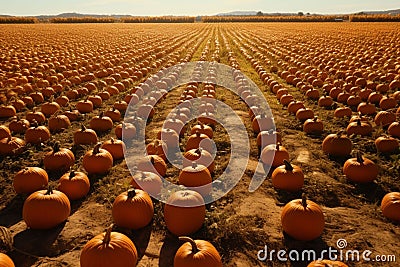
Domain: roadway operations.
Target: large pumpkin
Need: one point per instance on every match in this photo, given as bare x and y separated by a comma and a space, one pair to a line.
197, 177
115, 147
74, 184
6, 261
37, 134
109, 249
288, 177
29, 180
197, 253
11, 146
390, 206
302, 219
59, 159
184, 212
46, 209
97, 161
133, 209
85, 136
338, 145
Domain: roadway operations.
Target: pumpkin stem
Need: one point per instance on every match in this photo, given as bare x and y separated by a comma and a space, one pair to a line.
195, 249
197, 133
288, 166
83, 128
156, 143
315, 118
152, 160
198, 151
49, 190
143, 175
278, 146
72, 174
107, 236
56, 147
131, 193
194, 164
101, 114
304, 201
360, 158
96, 149
358, 122
112, 140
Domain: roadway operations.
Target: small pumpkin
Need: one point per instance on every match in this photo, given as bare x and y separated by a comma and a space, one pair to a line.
97, 161
59, 159
37, 134
390, 206
262, 123
170, 137
73, 114
74, 184
274, 155
197, 177
384, 118
148, 182
394, 129
203, 129
200, 156
109, 249
7, 112
114, 114
154, 164
338, 145
199, 140
304, 114
126, 131
342, 112
302, 219
360, 169
49, 108
184, 212
58, 123
35, 116
133, 209
197, 253
4, 132
11, 146
288, 177
85, 136
29, 180
159, 148
313, 126
84, 106
115, 147
175, 124
46, 209
359, 127
19, 126
101, 123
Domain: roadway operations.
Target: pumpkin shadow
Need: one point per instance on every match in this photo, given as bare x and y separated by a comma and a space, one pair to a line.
12, 213
38, 243
140, 238
318, 246
284, 197
372, 192
167, 254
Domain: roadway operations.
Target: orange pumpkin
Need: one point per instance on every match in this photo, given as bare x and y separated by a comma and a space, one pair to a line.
74, 184
85, 136
386, 144
133, 209
109, 249
360, 169
200, 156
274, 155
302, 219
115, 147
338, 145
6, 261
11, 146
390, 206
97, 161
46, 209
59, 159
199, 140
159, 148
29, 180
37, 134
58, 123
101, 123
184, 212
288, 177
154, 164
4, 132
148, 182
326, 263
196, 177
197, 253
203, 129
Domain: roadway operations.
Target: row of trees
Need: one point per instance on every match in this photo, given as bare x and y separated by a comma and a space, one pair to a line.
18, 20
298, 18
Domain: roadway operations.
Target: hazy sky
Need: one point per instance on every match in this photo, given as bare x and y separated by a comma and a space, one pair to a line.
196, 7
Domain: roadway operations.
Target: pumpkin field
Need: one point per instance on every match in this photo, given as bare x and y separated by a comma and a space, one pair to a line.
329, 144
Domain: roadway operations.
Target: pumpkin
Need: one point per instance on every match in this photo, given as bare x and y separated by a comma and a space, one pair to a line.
359, 127
288, 177
325, 101
387, 103
154, 164
49, 108
200, 156
148, 182
313, 126
265, 138
126, 131
62, 101
360, 169
184, 212
35, 116
37, 134
7, 112
58, 123
157, 147
113, 114
262, 123
121, 106
4, 132
170, 137
326, 263
19, 126
207, 118
384, 118
73, 115
197, 177
84, 106
197, 253
394, 129
302, 219
133, 209
11, 146
386, 144
294, 106
304, 114
59, 159
115, 147
145, 111
74, 184
199, 140
175, 124
46, 209
97, 161
29, 180
96, 100
338, 145
274, 155
101, 123
85, 136
366, 109
343, 112
6, 261
390, 206
109, 249
203, 129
